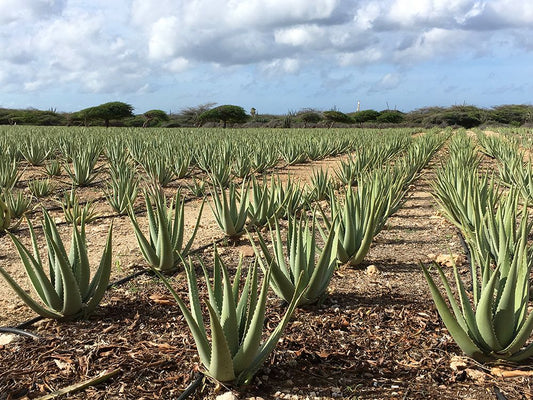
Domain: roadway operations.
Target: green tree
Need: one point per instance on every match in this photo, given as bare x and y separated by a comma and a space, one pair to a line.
154, 118
105, 112
513, 114
365, 116
226, 113
465, 116
309, 117
390, 116
337, 116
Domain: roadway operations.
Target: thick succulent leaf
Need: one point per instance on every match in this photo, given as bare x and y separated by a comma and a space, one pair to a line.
147, 250
40, 282
84, 271
252, 337
26, 298
484, 316
228, 316
461, 337
221, 366
200, 338
194, 297
504, 318
268, 346
468, 313
100, 281
72, 300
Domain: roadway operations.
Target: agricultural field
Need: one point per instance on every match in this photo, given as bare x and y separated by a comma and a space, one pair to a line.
274, 263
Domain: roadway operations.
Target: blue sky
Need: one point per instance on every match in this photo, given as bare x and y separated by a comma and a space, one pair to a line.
274, 55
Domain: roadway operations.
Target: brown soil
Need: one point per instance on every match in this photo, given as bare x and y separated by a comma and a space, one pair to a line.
377, 335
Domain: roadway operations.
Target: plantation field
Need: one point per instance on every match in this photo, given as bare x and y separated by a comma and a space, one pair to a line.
373, 332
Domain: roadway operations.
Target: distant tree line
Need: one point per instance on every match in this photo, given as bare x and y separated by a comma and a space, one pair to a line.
121, 114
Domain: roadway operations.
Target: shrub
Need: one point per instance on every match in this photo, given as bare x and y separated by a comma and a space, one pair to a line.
390, 116
337, 116
365, 116
226, 113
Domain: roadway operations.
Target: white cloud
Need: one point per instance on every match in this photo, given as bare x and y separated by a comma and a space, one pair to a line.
281, 67
20, 10
307, 35
388, 82
124, 45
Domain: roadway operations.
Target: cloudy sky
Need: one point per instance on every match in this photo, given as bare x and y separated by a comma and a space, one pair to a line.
274, 55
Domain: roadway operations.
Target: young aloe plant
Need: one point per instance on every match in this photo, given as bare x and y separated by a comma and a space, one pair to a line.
74, 212
198, 187
235, 352
53, 168
301, 251
231, 208
67, 292
9, 174
84, 161
165, 245
18, 203
41, 187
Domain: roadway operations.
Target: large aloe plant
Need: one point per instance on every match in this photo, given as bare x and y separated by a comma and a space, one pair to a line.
497, 326
301, 251
165, 245
67, 291
235, 352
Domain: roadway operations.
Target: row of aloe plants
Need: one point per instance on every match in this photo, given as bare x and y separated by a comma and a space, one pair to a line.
299, 270
488, 318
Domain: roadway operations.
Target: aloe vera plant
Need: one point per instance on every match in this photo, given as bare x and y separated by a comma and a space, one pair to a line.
74, 212
68, 291
356, 219
41, 187
84, 161
121, 189
165, 245
235, 352
53, 168
9, 174
497, 325
35, 151
296, 257
321, 185
18, 203
158, 169
231, 209
264, 206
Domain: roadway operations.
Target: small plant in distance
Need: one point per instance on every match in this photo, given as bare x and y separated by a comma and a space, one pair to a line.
74, 212
53, 168
17, 203
122, 188
41, 187
165, 246
67, 292
198, 187
9, 175
234, 352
